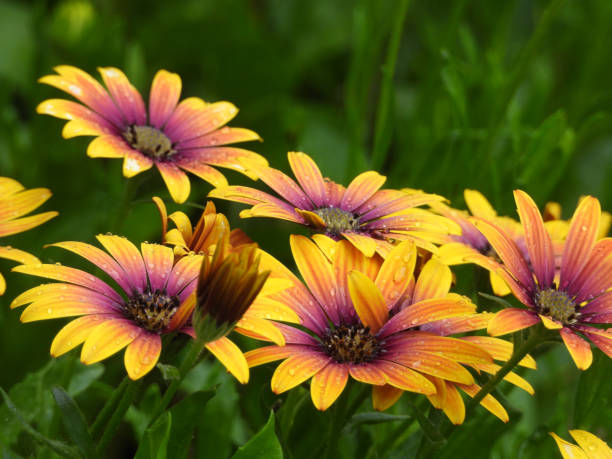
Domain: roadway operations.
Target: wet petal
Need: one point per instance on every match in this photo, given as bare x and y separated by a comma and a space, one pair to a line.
108, 338
361, 189
142, 355
327, 385
82, 120
8, 228
434, 281
165, 93
231, 357
308, 176
285, 186
76, 332
384, 397
297, 369
395, 274
579, 349
479, 205
368, 374
25, 258
128, 257
176, 181
434, 365
594, 447
158, 261
205, 172
127, 98
368, 301
362, 241
489, 402
569, 451
404, 378
269, 354
193, 118
510, 320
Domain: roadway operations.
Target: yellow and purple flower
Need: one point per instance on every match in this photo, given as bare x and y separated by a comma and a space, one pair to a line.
15, 202
362, 213
434, 281
346, 310
570, 301
188, 136
589, 446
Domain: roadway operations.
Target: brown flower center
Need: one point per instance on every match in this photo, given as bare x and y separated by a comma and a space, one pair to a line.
149, 141
337, 220
152, 311
351, 344
556, 304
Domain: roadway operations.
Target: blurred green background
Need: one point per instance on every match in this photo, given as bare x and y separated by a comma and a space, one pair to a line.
486, 95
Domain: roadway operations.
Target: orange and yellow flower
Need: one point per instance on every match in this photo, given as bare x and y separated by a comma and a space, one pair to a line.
362, 213
15, 202
589, 446
188, 136
434, 281
346, 310
569, 299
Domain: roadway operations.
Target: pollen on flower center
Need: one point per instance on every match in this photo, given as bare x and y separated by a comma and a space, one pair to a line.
149, 141
153, 311
337, 220
557, 304
351, 344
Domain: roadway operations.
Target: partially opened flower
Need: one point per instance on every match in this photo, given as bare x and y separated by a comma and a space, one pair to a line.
346, 312
363, 214
15, 203
580, 297
589, 446
227, 286
188, 136
156, 296
434, 281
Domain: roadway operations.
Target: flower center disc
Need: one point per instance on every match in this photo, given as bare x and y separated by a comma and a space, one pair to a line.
149, 141
153, 311
337, 220
556, 304
351, 344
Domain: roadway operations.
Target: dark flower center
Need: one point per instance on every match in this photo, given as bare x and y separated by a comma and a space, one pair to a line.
149, 141
556, 304
152, 311
351, 344
337, 220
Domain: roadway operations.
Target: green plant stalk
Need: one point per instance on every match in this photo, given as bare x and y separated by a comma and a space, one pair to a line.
108, 409
343, 411
129, 191
188, 362
115, 420
382, 127
536, 337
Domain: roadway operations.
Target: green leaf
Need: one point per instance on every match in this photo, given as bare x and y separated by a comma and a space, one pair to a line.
59, 447
263, 444
83, 377
169, 372
593, 391
154, 444
186, 415
74, 421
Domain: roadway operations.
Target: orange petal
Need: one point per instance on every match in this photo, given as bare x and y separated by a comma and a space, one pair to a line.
261, 327
453, 405
500, 349
134, 163
2, 284
368, 301
434, 281
270, 210
579, 349
511, 377
176, 181
452, 348
395, 274
297, 369
406, 379
316, 272
22, 203
108, 338
311, 219
363, 242
569, 451
163, 213
327, 385
75, 332
580, 240
498, 285
308, 176
193, 118
224, 136
165, 93
231, 357
269, 354
594, 447
510, 320
489, 402
435, 365
361, 189
537, 239
384, 397
142, 355
158, 260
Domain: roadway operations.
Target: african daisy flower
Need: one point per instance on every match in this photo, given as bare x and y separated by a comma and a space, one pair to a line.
175, 137
15, 202
578, 298
156, 296
363, 214
346, 310
434, 281
589, 446
552, 215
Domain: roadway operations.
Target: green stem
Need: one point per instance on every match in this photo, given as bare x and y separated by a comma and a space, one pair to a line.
382, 130
536, 337
188, 362
109, 407
343, 411
115, 420
129, 190
431, 431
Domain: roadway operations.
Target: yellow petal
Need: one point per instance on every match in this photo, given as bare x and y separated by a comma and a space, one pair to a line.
327, 385
568, 451
231, 357
108, 338
368, 301
594, 447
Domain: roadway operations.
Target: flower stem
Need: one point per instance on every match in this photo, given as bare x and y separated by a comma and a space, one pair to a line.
382, 130
535, 338
430, 430
109, 407
188, 362
115, 420
129, 190
343, 411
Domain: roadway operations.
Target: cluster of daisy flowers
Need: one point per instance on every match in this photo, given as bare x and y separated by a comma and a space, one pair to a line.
374, 302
